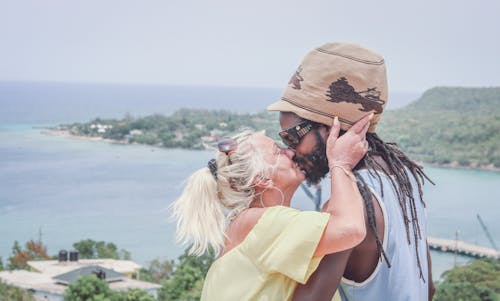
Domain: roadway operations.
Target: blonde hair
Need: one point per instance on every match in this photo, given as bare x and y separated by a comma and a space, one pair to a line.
207, 204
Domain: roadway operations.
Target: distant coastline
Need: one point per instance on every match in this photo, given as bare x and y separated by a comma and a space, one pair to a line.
456, 165
68, 134
446, 127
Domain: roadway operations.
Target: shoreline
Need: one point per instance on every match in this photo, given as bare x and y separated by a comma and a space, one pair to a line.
66, 133
457, 166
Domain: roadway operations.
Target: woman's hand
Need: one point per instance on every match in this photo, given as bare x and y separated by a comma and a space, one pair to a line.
346, 151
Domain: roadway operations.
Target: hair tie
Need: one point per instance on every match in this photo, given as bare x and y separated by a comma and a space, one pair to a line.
212, 165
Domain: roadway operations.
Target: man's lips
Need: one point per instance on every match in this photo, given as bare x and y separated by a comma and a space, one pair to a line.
297, 166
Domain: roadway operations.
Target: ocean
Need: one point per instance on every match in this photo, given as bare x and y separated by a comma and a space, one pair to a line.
68, 189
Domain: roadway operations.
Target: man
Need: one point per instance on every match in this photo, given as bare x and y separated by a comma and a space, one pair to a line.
393, 262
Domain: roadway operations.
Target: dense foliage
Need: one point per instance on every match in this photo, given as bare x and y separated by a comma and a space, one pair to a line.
90, 249
133, 295
477, 281
33, 250
12, 293
450, 126
157, 271
185, 128
90, 288
455, 126
186, 282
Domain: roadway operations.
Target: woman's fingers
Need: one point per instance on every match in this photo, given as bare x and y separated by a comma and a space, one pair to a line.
334, 130
364, 130
359, 126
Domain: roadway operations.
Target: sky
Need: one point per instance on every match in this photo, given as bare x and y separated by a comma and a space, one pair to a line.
256, 43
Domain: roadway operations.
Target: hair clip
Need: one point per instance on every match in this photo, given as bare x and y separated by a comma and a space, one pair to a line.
212, 165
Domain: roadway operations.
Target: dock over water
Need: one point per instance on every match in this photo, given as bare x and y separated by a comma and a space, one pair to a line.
462, 248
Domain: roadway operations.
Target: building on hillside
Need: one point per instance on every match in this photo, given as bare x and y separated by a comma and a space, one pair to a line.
49, 279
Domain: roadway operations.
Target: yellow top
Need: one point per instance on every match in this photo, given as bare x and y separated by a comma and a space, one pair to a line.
276, 254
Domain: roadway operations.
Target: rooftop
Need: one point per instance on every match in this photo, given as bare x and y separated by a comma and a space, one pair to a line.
72, 276
42, 282
54, 267
52, 276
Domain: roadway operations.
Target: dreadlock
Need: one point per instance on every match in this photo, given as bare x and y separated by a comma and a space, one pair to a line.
398, 169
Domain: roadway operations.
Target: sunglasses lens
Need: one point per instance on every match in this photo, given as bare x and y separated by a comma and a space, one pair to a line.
227, 145
288, 139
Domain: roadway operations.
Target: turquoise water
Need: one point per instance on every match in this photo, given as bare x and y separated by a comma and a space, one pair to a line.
76, 189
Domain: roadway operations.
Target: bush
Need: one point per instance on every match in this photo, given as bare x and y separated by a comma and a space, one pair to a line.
12, 293
186, 282
89, 288
479, 280
133, 295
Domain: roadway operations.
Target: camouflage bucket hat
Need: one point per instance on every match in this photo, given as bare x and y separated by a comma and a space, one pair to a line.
337, 79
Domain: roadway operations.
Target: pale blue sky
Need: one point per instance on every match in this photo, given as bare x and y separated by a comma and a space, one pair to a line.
245, 43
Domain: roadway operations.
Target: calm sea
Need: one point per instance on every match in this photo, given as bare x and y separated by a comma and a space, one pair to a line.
76, 189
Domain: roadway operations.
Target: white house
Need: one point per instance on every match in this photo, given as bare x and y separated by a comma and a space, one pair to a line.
49, 278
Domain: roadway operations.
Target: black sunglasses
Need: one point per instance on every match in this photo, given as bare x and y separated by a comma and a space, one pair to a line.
291, 137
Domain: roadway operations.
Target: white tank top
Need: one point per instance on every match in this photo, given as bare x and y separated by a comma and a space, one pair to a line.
402, 281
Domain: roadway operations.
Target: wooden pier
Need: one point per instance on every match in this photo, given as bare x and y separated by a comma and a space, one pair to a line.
462, 248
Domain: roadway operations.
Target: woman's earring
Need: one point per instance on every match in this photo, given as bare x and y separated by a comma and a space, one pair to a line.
260, 196
273, 187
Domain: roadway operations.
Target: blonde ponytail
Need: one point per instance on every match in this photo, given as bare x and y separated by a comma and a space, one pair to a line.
200, 215
208, 204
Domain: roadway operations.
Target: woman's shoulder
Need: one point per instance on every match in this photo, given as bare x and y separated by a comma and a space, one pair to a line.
251, 217
248, 220
245, 221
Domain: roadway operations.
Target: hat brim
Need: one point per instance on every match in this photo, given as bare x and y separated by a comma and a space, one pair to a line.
285, 106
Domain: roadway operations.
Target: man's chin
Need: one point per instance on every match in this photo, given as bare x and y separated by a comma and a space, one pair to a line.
314, 178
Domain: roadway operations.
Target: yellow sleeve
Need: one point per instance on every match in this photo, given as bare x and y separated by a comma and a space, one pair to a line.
284, 240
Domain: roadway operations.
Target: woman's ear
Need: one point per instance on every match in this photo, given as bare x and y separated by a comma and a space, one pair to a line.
262, 183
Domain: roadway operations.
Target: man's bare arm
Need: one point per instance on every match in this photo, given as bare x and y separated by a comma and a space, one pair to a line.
362, 261
323, 283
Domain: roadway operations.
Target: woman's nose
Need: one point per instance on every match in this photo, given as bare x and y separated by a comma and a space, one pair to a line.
290, 153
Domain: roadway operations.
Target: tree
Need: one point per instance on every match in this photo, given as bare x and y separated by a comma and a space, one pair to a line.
187, 279
85, 248
133, 295
34, 250
90, 249
1, 264
106, 250
157, 271
479, 280
12, 293
89, 288
464, 291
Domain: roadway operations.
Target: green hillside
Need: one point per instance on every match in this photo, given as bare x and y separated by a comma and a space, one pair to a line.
455, 126
447, 126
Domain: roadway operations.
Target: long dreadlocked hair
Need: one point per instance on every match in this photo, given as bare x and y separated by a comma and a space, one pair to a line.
398, 169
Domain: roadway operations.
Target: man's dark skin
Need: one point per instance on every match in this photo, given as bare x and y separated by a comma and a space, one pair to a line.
356, 264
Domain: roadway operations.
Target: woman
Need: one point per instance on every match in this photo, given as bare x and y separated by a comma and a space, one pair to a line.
239, 206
